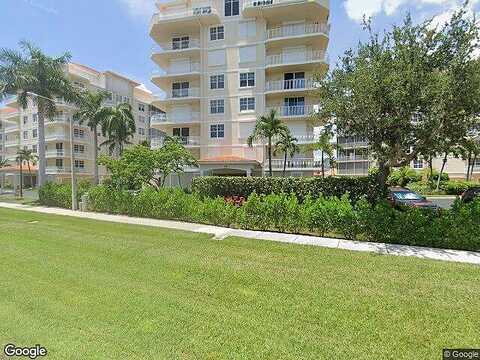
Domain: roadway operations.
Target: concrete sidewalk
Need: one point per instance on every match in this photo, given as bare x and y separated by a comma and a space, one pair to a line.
221, 233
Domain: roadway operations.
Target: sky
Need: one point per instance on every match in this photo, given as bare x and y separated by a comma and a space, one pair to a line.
113, 34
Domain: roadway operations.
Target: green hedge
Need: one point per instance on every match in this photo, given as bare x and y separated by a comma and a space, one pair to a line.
453, 187
302, 187
60, 195
454, 229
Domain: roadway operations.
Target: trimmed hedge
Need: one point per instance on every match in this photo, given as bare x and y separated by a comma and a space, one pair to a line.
213, 186
60, 195
456, 187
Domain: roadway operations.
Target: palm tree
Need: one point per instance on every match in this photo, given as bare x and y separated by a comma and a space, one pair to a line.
267, 127
118, 127
287, 144
39, 78
93, 113
30, 158
324, 145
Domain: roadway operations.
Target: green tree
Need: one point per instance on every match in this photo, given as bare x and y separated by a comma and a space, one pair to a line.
267, 127
31, 75
118, 127
287, 145
469, 151
28, 156
406, 89
326, 148
92, 112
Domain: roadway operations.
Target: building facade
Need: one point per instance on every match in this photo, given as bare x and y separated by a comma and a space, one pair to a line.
222, 63
20, 129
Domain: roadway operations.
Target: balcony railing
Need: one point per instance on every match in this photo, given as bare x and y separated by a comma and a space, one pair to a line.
10, 129
174, 118
185, 140
303, 57
294, 84
13, 142
297, 30
293, 111
295, 164
176, 46
303, 138
55, 170
178, 14
191, 68
56, 136
55, 153
181, 94
352, 158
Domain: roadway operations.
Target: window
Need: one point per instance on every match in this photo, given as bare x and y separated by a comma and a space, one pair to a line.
78, 133
141, 131
216, 57
217, 106
294, 80
180, 89
248, 29
418, 164
34, 148
59, 163
247, 79
248, 53
35, 118
182, 134
79, 149
34, 133
179, 43
232, 7
25, 120
79, 164
217, 131
217, 33
141, 107
247, 104
294, 106
25, 134
217, 81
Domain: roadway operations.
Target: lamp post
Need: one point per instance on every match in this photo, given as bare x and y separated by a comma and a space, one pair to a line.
72, 158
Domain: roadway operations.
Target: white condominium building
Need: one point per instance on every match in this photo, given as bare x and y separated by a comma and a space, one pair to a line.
222, 63
19, 127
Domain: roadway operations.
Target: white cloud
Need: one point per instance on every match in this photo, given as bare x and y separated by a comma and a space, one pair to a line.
142, 8
356, 9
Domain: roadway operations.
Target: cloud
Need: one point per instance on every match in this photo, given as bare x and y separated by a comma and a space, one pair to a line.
356, 9
140, 8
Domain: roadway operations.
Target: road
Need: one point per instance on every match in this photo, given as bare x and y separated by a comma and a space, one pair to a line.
444, 202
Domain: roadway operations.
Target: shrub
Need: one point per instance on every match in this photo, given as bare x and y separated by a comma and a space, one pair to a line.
404, 176
60, 195
301, 187
458, 187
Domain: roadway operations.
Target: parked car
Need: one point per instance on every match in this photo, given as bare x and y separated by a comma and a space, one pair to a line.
471, 194
400, 198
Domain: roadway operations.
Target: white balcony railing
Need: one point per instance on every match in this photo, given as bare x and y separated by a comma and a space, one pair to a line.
302, 138
298, 30
174, 118
176, 46
56, 136
294, 84
294, 111
10, 129
183, 13
352, 158
182, 93
55, 170
13, 142
59, 119
185, 140
55, 153
297, 58
190, 68
295, 164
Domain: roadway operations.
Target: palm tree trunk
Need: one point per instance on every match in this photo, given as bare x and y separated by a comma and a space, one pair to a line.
473, 166
444, 162
95, 156
468, 165
270, 156
285, 164
21, 178
42, 161
323, 166
29, 173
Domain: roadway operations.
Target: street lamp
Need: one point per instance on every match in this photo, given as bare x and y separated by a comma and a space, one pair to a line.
72, 158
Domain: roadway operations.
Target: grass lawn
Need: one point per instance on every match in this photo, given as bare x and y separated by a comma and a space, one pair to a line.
97, 290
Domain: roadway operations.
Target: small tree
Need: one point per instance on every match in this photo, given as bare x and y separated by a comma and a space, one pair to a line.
267, 127
287, 145
30, 158
118, 126
325, 146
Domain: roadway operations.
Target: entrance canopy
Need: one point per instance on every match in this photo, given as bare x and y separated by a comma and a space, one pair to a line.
228, 166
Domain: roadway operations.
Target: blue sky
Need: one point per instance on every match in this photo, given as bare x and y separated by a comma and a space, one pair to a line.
113, 34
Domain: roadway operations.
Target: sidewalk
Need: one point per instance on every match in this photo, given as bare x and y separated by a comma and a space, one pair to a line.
221, 233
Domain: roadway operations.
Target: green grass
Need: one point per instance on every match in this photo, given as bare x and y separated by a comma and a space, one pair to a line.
97, 290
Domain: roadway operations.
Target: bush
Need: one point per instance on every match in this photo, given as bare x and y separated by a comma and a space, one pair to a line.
457, 187
403, 176
60, 195
302, 187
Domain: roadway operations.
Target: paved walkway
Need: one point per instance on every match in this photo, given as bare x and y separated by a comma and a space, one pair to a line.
221, 233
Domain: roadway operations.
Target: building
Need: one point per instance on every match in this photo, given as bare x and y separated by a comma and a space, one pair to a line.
19, 126
223, 63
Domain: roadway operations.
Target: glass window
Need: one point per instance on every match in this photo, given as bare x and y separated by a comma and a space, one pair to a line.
180, 89
25, 120
79, 164
247, 79
247, 104
217, 81
217, 33
217, 106
232, 7
59, 163
179, 43
35, 118
34, 133
217, 131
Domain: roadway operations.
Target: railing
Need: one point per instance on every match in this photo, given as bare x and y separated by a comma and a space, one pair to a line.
55, 170
295, 164
298, 29
352, 158
175, 118
306, 56
12, 129
58, 119
176, 46
305, 138
12, 142
293, 111
174, 14
260, 3
193, 67
56, 136
55, 153
293, 84
185, 140
183, 93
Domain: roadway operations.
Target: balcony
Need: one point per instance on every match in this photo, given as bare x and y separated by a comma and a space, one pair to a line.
55, 153
186, 20
352, 144
178, 96
164, 52
347, 158
188, 141
175, 118
296, 111
52, 170
309, 60
187, 73
12, 129
289, 86
315, 35
61, 136
302, 138
13, 142
287, 10
295, 164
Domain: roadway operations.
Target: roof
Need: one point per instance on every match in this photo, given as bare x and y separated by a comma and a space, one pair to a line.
15, 168
227, 159
87, 68
109, 72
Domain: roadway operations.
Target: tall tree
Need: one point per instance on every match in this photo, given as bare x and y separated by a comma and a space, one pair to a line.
287, 145
38, 78
405, 89
266, 128
93, 112
118, 127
